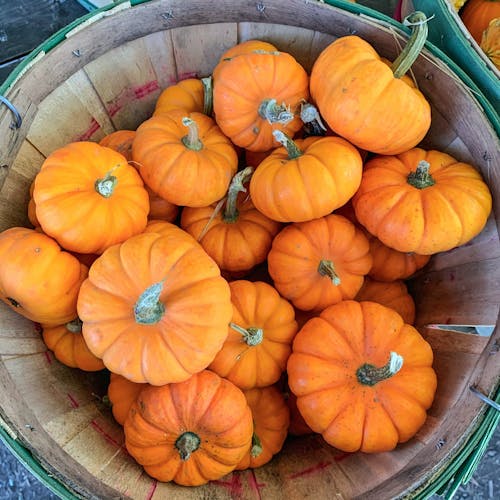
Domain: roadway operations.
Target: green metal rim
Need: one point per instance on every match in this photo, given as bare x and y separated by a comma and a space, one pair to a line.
460, 467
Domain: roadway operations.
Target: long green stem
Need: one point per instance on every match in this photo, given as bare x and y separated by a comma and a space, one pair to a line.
418, 22
208, 95
237, 186
292, 149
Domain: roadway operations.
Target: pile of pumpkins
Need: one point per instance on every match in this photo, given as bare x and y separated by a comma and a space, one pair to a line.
237, 262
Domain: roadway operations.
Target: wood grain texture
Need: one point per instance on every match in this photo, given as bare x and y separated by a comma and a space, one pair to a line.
149, 47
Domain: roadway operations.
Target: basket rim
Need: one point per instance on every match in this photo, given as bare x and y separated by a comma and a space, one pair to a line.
472, 449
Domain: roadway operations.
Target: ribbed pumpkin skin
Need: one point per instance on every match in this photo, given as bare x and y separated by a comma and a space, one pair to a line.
69, 347
247, 80
392, 294
206, 405
477, 14
70, 209
324, 178
122, 393
296, 254
120, 141
180, 175
271, 418
186, 95
322, 372
40, 279
256, 305
425, 221
391, 265
362, 101
235, 245
185, 337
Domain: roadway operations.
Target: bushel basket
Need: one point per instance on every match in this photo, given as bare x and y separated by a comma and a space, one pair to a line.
104, 73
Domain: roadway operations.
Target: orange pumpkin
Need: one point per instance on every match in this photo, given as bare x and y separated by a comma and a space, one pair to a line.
490, 41
271, 418
322, 172
121, 394
259, 336
422, 201
391, 265
186, 95
477, 14
159, 208
37, 279
367, 102
246, 47
31, 208
88, 198
120, 141
185, 158
256, 93
320, 262
238, 236
155, 308
69, 347
189, 432
362, 377
392, 294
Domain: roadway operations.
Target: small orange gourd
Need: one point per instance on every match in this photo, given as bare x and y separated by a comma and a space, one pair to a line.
190, 432
363, 378
121, 394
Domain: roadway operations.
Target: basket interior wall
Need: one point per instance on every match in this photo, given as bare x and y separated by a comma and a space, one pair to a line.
56, 411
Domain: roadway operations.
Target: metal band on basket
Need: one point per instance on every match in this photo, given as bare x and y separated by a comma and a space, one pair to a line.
485, 399
18, 122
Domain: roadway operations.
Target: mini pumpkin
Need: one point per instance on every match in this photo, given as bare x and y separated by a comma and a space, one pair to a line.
69, 347
190, 432
120, 141
422, 201
238, 236
38, 279
367, 102
256, 93
392, 294
185, 158
322, 172
259, 338
88, 197
363, 378
191, 94
121, 394
477, 14
155, 308
320, 262
271, 418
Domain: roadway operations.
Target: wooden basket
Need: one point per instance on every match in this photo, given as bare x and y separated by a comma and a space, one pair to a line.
106, 74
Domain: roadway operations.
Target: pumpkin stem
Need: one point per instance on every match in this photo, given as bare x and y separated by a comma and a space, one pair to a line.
252, 336
272, 112
421, 178
288, 143
368, 374
106, 186
327, 268
418, 22
313, 124
192, 140
74, 326
187, 443
237, 185
148, 309
208, 95
256, 448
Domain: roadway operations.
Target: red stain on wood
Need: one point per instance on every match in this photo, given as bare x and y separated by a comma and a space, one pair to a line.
48, 357
152, 490
310, 470
185, 76
131, 94
255, 486
93, 128
38, 328
342, 456
234, 486
73, 401
107, 437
